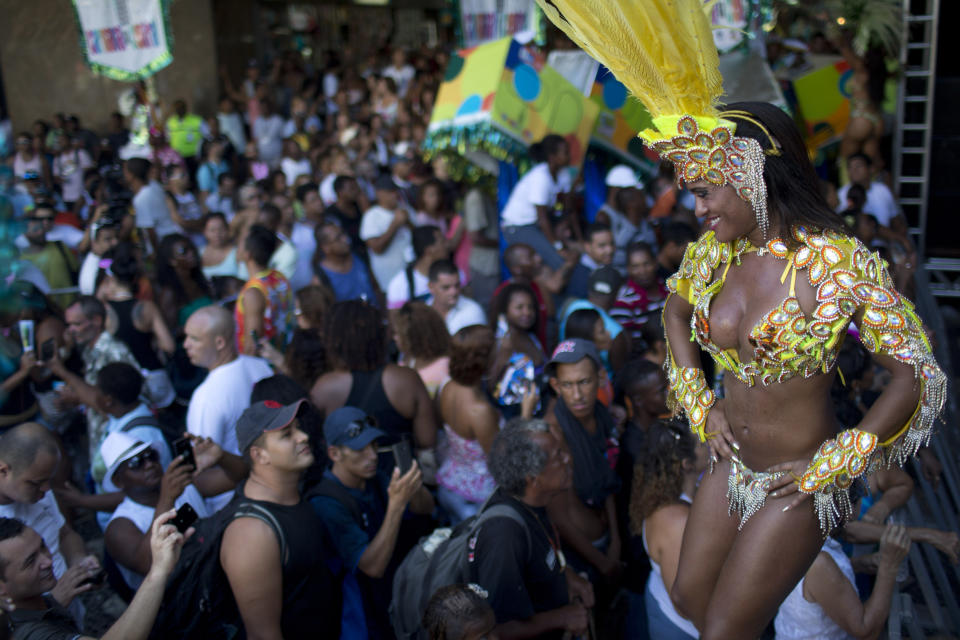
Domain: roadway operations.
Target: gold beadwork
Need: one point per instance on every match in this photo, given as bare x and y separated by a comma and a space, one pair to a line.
847, 279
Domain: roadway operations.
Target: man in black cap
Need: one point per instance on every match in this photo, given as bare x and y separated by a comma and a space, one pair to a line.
585, 514
363, 509
292, 595
385, 228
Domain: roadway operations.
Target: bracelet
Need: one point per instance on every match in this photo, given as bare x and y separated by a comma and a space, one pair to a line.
693, 396
839, 462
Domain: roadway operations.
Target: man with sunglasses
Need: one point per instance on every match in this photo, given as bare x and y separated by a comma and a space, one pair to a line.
134, 468
53, 258
363, 511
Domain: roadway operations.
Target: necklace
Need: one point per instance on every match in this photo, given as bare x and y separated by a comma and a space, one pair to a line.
555, 549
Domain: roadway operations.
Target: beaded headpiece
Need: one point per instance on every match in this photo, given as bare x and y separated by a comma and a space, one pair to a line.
663, 52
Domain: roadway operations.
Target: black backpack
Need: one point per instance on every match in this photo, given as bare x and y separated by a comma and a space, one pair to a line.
198, 601
440, 559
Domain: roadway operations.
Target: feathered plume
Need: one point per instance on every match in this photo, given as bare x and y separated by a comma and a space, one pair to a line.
661, 50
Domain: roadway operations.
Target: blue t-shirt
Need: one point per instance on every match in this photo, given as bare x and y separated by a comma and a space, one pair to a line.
351, 539
353, 284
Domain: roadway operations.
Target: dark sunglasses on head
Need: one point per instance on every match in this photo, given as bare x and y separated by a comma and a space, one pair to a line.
142, 458
357, 427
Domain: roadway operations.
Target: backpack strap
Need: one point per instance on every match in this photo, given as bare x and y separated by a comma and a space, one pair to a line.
141, 421
252, 510
501, 511
329, 488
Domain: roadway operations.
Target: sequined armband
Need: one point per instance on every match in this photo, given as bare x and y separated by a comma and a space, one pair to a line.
690, 395
837, 463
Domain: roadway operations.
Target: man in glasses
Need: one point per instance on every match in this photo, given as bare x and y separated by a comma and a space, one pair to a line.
134, 468
363, 511
53, 258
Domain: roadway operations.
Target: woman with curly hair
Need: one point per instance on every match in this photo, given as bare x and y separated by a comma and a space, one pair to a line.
470, 422
360, 376
664, 482
422, 337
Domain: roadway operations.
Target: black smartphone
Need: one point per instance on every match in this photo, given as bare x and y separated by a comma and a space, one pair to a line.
185, 518
47, 349
96, 579
402, 456
255, 336
184, 447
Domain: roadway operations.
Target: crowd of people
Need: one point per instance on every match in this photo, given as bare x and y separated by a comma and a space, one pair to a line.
282, 316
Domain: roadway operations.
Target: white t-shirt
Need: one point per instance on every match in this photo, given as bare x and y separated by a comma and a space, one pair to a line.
305, 242
536, 188
880, 202
217, 403
292, 169
45, 518
284, 259
150, 205
385, 265
142, 518
465, 313
88, 273
398, 292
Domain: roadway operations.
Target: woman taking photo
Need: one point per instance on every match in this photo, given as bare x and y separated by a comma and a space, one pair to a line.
519, 357
769, 291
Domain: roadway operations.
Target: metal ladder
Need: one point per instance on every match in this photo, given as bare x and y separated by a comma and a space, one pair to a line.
912, 135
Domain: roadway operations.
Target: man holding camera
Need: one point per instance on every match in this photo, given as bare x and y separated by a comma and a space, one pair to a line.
363, 510
26, 575
134, 468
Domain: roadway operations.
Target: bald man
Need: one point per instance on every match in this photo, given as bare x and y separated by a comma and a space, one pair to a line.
217, 403
28, 459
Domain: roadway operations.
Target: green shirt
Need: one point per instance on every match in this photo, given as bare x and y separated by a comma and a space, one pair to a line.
184, 134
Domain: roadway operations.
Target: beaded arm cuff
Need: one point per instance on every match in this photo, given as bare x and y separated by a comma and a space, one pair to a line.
837, 463
689, 394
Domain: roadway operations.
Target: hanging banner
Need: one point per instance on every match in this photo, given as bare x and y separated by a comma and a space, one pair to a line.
125, 40
485, 20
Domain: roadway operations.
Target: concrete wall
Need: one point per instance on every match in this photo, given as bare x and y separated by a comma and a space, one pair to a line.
44, 71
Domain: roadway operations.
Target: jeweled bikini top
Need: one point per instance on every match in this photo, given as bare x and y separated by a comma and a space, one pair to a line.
847, 277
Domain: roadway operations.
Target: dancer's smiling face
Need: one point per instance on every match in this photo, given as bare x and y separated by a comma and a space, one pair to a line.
724, 212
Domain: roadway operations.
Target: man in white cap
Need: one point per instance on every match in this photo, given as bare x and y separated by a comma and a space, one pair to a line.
134, 468
625, 212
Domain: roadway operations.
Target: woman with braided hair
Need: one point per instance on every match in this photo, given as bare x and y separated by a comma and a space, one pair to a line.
769, 291
459, 612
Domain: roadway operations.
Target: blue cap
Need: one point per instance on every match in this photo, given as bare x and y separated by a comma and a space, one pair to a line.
350, 427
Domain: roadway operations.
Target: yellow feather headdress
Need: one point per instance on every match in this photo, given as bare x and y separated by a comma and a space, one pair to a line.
663, 53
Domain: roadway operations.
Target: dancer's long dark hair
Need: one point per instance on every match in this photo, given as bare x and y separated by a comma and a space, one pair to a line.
793, 188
